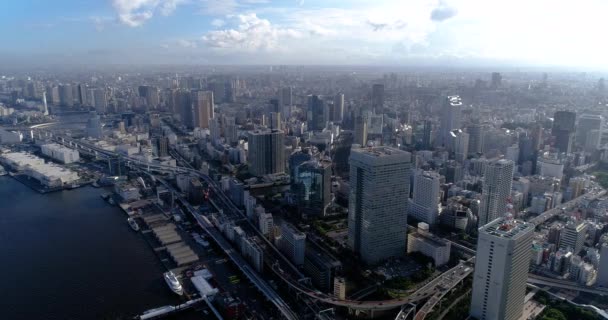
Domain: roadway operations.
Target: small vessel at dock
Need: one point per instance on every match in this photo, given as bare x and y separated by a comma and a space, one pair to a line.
173, 283
133, 224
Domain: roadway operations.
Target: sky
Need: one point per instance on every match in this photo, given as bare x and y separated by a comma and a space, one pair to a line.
563, 33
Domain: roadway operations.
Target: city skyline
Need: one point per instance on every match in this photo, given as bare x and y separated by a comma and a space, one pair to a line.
429, 33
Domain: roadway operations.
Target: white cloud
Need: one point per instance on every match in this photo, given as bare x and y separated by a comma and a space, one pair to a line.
218, 23
251, 34
134, 13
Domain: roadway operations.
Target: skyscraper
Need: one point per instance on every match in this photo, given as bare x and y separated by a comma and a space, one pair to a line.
312, 186
424, 204
564, 127
292, 243
183, 106
377, 215
100, 102
316, 113
573, 237
496, 79
338, 110
266, 152
501, 269
602, 270
150, 96
459, 144
361, 130
587, 123
475, 132
498, 178
66, 97
378, 98
202, 104
450, 118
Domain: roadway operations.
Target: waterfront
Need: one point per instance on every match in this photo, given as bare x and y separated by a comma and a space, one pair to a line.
70, 255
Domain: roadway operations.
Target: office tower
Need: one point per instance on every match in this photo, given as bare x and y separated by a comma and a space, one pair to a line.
94, 127
316, 113
66, 97
296, 159
592, 141
573, 237
275, 121
564, 127
215, 130
602, 270
266, 152
275, 105
82, 94
586, 124
424, 204
427, 133
219, 91
312, 187
292, 244
285, 97
377, 215
496, 80
498, 177
150, 96
202, 104
450, 118
459, 144
501, 269
527, 152
475, 132
183, 104
537, 136
231, 132
338, 110
453, 171
162, 146
100, 102
320, 267
361, 130
378, 98
55, 95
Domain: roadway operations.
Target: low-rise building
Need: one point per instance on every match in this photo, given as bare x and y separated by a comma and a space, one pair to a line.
431, 246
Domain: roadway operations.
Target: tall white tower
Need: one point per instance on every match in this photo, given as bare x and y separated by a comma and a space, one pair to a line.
501, 269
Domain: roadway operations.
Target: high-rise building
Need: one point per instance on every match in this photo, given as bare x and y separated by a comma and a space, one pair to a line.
66, 97
202, 105
602, 270
450, 118
573, 236
286, 97
378, 98
475, 132
312, 186
586, 124
338, 110
183, 107
564, 128
82, 94
360, 131
427, 134
459, 144
496, 80
266, 152
316, 113
162, 146
100, 101
501, 269
292, 243
498, 177
424, 204
150, 96
377, 215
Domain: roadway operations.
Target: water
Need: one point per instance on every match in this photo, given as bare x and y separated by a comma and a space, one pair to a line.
70, 255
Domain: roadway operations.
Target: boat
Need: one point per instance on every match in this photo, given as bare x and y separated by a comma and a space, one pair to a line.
133, 224
111, 201
173, 283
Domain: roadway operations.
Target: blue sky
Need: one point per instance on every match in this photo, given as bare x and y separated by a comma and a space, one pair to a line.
402, 32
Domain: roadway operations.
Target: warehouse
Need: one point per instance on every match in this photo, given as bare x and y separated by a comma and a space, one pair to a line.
60, 153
